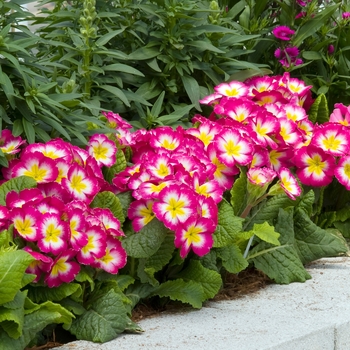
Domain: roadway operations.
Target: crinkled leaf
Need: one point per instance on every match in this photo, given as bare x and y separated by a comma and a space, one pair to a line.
12, 315
86, 274
47, 314
146, 274
232, 258
110, 201
12, 269
190, 292
159, 259
210, 280
228, 226
266, 233
39, 294
238, 193
16, 184
125, 199
280, 263
146, 242
6, 237
106, 318
313, 242
343, 227
267, 211
307, 202
120, 165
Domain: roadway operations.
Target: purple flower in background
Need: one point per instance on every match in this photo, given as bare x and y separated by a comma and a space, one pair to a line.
300, 15
346, 15
283, 33
288, 56
330, 49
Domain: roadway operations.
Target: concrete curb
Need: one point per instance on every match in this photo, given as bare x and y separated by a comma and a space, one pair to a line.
314, 315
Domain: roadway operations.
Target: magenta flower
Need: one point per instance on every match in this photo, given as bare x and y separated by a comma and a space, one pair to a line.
109, 221
265, 126
340, 114
77, 227
114, 258
196, 234
53, 234
261, 176
41, 264
176, 204
166, 137
37, 166
232, 89
102, 149
25, 222
283, 33
95, 247
314, 166
342, 172
209, 188
115, 121
346, 15
54, 149
79, 184
141, 213
289, 183
232, 148
64, 269
10, 144
334, 139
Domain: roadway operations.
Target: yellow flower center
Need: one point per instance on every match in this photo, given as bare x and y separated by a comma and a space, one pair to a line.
60, 266
163, 170
168, 145
175, 207
192, 235
77, 183
316, 165
24, 227
347, 170
331, 143
205, 138
100, 152
232, 149
89, 246
147, 213
38, 174
231, 92
219, 167
52, 233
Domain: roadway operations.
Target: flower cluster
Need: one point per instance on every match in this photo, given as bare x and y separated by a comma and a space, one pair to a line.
54, 220
180, 175
286, 54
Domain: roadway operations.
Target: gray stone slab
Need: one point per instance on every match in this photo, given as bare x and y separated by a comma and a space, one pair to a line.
314, 315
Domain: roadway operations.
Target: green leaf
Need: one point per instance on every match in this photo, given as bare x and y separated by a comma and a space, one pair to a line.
189, 292
109, 201
28, 130
40, 293
12, 315
280, 263
238, 194
267, 211
228, 226
232, 258
104, 39
306, 202
120, 165
314, 243
12, 268
104, 321
146, 242
16, 184
144, 53
210, 280
119, 67
157, 106
116, 92
192, 89
319, 112
266, 233
313, 24
125, 199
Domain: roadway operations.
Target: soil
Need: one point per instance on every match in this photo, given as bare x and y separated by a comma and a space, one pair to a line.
247, 282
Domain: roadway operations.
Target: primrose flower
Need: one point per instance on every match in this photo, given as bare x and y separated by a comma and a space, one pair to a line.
334, 139
261, 176
115, 121
37, 166
109, 221
54, 149
95, 247
167, 138
265, 125
232, 148
289, 132
340, 114
196, 234
208, 188
41, 264
289, 183
10, 144
79, 184
205, 132
25, 223
26, 196
314, 166
141, 213
280, 158
232, 89
114, 258
160, 166
342, 172
53, 234
345, 15
176, 204
239, 110
102, 149
77, 226
64, 269
293, 112
283, 33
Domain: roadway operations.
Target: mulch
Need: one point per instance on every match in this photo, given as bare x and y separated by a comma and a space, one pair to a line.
247, 282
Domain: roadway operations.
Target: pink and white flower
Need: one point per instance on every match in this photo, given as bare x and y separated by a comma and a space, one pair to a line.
141, 213
196, 233
102, 149
289, 183
342, 171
